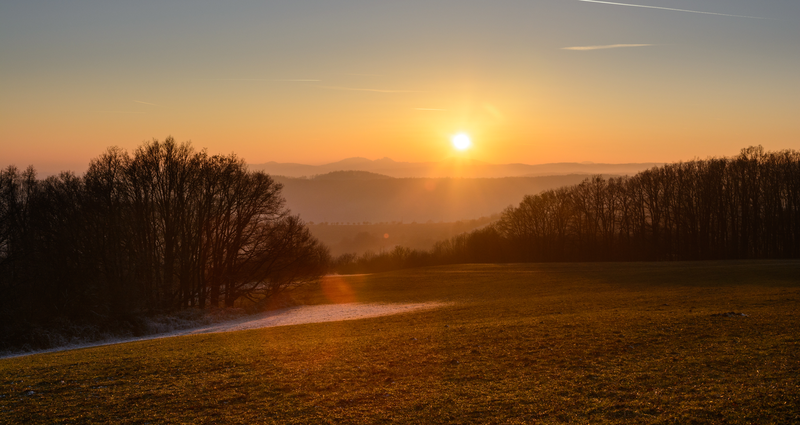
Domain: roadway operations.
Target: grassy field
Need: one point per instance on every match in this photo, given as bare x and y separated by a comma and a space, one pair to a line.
534, 343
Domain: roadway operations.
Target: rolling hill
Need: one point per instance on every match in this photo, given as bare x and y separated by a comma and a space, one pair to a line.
449, 168
357, 197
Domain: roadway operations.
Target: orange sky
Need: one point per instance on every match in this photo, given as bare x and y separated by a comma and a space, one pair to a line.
314, 82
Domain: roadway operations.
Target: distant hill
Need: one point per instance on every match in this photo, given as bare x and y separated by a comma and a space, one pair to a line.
377, 237
350, 175
450, 168
357, 197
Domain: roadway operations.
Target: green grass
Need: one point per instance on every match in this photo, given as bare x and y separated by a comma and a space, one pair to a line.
537, 343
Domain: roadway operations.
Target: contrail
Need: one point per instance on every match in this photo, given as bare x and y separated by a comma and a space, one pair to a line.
122, 112
291, 80
370, 90
674, 10
611, 46
146, 103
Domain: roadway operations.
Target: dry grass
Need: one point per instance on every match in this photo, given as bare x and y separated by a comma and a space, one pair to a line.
538, 343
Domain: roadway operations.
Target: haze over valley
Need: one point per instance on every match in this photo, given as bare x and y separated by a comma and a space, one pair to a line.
374, 198
357, 211
452, 167
356, 205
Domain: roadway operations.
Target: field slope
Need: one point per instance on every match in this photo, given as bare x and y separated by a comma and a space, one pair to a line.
533, 343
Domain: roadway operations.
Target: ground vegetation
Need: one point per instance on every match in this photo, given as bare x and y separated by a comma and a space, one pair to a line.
619, 343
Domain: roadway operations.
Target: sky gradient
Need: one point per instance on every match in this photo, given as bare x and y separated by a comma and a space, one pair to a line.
533, 81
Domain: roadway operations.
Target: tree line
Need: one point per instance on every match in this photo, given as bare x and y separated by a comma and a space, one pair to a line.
167, 228
163, 229
742, 207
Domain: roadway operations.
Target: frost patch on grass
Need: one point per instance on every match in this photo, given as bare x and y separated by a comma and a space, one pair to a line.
314, 314
730, 314
69, 335
283, 317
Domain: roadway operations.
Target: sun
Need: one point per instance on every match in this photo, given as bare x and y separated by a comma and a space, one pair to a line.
461, 141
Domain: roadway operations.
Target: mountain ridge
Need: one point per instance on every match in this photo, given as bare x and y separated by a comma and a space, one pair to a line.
352, 197
454, 167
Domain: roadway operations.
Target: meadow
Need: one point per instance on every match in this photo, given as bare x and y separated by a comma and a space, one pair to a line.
677, 342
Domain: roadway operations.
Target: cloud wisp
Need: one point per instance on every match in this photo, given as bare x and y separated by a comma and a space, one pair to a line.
121, 112
146, 103
429, 109
609, 46
286, 80
369, 90
673, 9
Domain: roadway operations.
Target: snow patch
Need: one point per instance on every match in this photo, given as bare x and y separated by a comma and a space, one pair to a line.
284, 317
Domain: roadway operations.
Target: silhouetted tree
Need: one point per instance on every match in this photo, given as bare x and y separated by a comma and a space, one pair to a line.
720, 208
162, 229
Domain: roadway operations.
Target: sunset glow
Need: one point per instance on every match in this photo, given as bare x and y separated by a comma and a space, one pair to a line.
461, 141
566, 81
